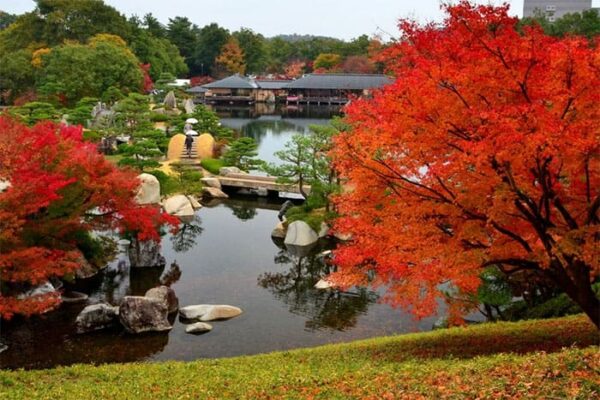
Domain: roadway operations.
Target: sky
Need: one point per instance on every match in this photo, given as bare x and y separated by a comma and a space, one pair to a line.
344, 19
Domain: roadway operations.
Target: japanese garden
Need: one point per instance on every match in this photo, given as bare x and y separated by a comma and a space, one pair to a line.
216, 211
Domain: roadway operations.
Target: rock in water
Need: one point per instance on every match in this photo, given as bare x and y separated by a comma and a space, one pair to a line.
324, 284
166, 295
74, 297
142, 314
299, 233
179, 205
198, 327
209, 312
145, 254
149, 190
214, 193
96, 317
279, 231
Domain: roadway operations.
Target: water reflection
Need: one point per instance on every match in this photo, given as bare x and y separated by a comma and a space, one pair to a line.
189, 231
325, 309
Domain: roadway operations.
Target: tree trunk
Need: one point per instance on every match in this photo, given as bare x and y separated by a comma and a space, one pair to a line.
579, 289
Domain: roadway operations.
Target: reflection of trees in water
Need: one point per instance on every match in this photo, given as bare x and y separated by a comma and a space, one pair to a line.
241, 212
186, 237
259, 128
325, 309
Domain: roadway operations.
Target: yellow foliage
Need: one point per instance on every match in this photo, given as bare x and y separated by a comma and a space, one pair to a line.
37, 57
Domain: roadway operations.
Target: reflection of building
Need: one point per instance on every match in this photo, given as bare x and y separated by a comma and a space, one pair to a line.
310, 89
553, 9
333, 88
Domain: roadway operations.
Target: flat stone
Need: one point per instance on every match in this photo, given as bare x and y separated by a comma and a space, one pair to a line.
195, 204
324, 284
74, 297
198, 327
209, 312
214, 193
211, 182
225, 171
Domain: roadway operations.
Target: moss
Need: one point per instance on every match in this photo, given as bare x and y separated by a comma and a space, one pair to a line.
212, 165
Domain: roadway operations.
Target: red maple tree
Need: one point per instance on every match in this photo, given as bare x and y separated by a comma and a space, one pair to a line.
57, 187
483, 152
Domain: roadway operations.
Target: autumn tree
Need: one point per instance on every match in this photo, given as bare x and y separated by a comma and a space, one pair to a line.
358, 65
483, 152
231, 59
60, 190
327, 61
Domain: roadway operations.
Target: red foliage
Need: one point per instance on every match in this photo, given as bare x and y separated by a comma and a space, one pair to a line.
25, 98
483, 152
200, 80
147, 84
59, 187
358, 65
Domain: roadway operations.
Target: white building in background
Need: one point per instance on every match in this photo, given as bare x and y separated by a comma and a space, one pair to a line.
554, 9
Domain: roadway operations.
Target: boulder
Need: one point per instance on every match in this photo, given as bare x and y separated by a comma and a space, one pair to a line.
86, 270
189, 106
226, 171
143, 314
209, 312
96, 317
279, 231
214, 193
205, 145
198, 327
166, 295
299, 233
170, 101
211, 182
149, 190
178, 205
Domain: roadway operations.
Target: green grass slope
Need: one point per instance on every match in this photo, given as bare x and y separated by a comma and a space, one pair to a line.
550, 359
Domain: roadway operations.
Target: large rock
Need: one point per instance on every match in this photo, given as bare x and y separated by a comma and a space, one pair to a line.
189, 106
40, 290
179, 205
145, 254
170, 101
143, 314
209, 312
299, 233
211, 182
195, 204
214, 193
279, 231
166, 295
86, 270
149, 191
96, 317
205, 145
198, 327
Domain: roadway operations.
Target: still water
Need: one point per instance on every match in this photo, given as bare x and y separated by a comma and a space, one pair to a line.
224, 256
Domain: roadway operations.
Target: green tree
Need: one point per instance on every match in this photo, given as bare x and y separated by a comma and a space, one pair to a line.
133, 113
75, 71
162, 55
183, 34
81, 114
327, 61
6, 19
154, 27
254, 48
36, 111
16, 74
586, 23
211, 39
140, 154
242, 154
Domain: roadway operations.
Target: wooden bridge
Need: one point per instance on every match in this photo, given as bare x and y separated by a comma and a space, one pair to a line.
269, 183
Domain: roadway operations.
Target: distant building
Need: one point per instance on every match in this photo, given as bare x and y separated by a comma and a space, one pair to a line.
311, 88
554, 9
333, 88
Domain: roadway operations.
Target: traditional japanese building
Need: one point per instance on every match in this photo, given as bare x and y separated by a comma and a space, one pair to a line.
333, 88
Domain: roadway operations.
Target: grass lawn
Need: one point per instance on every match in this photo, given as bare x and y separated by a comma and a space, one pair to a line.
115, 158
545, 359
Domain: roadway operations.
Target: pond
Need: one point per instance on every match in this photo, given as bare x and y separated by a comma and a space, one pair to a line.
224, 256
